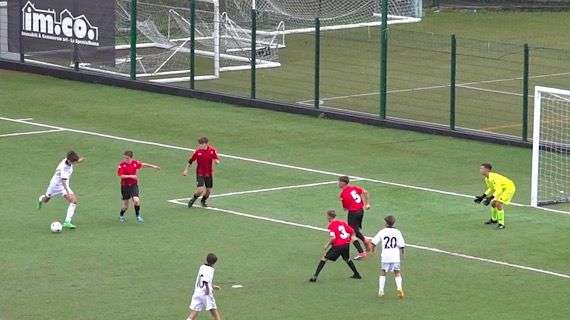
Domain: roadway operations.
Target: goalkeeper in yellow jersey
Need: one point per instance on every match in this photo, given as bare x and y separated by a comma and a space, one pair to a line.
500, 192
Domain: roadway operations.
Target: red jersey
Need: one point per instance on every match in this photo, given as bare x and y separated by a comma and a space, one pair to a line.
128, 168
204, 161
340, 232
351, 198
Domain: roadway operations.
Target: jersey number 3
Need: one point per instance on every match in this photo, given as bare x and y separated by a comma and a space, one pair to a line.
343, 233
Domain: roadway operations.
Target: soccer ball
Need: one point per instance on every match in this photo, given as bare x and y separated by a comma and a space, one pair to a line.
56, 227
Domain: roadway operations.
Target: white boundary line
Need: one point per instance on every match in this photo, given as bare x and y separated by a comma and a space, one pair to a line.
275, 164
467, 85
27, 133
454, 254
267, 190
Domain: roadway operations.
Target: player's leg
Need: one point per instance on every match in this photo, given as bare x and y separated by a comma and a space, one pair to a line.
200, 190
52, 191
345, 252
493, 218
500, 215
193, 315
72, 204
381, 282
215, 314
124, 208
331, 255
137, 206
209, 184
44, 198
398, 279
355, 222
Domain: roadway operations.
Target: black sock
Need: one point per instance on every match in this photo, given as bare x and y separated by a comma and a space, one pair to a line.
204, 198
195, 196
358, 246
138, 210
320, 267
352, 267
122, 213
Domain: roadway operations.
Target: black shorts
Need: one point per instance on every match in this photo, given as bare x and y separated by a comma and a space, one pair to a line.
355, 219
129, 192
202, 181
335, 252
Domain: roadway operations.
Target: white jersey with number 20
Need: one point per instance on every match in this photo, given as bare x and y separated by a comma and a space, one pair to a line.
390, 241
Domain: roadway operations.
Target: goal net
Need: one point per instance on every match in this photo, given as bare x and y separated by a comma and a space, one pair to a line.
551, 147
164, 43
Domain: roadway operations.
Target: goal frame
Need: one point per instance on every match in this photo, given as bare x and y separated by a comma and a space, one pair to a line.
536, 143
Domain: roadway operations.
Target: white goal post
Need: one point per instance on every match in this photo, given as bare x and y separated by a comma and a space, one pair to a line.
550, 181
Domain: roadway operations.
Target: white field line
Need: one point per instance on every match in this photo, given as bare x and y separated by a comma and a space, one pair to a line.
454, 254
27, 119
269, 163
27, 133
298, 186
468, 85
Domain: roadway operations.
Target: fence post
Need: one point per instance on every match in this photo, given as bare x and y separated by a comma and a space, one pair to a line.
20, 38
133, 39
193, 43
384, 60
452, 81
75, 47
253, 59
317, 62
525, 93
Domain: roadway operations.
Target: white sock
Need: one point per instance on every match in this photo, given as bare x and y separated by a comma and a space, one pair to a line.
70, 212
398, 282
381, 283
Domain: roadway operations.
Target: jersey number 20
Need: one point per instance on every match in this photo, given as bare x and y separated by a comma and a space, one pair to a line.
390, 243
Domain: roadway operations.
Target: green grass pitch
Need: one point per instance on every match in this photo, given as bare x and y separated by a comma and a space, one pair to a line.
106, 270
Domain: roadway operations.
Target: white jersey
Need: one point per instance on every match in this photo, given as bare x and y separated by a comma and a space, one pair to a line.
204, 281
63, 171
390, 241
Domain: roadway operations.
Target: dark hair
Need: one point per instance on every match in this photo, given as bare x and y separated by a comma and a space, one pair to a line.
72, 156
344, 179
211, 259
203, 140
128, 153
331, 213
390, 221
487, 166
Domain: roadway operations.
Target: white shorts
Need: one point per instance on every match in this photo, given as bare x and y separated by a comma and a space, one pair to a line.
391, 267
201, 303
57, 190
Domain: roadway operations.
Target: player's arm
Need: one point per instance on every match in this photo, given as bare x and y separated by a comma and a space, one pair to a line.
486, 197
365, 199
375, 241
207, 285
81, 159
122, 176
189, 164
401, 244
150, 165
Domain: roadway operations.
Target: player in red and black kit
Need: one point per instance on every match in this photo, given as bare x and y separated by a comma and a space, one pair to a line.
204, 156
338, 246
354, 200
127, 172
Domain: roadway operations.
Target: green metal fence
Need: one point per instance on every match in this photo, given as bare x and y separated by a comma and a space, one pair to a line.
376, 71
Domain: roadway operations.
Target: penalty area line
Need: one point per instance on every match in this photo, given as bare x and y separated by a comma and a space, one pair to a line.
419, 247
298, 186
17, 134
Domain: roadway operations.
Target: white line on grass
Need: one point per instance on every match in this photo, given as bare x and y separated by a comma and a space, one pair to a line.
454, 254
298, 186
275, 164
26, 119
27, 133
310, 102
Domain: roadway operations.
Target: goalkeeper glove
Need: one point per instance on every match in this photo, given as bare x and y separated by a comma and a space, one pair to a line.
480, 198
488, 200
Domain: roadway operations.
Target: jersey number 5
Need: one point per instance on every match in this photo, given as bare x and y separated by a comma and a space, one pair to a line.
355, 196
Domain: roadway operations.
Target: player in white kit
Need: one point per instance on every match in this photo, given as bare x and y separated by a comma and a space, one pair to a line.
59, 186
392, 245
203, 297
